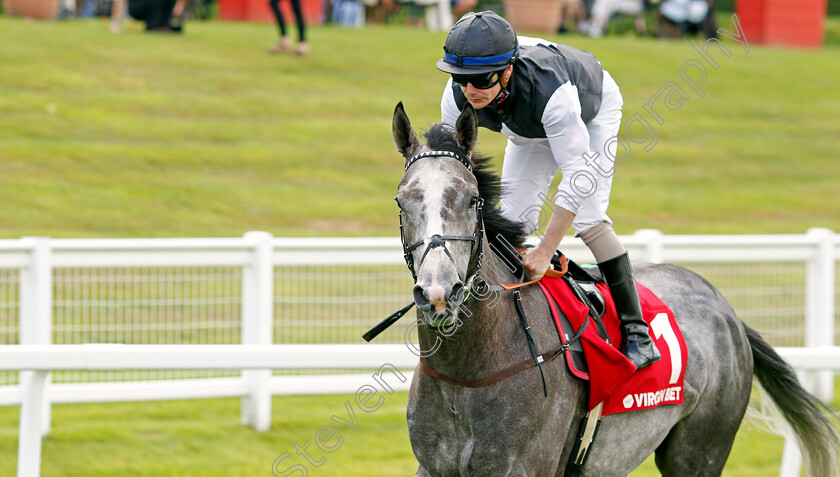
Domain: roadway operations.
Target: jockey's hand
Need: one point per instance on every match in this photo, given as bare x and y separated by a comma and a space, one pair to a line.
536, 261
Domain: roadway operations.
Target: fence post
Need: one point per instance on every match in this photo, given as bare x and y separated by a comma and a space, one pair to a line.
651, 240
35, 317
791, 457
258, 326
36, 304
819, 331
32, 423
819, 307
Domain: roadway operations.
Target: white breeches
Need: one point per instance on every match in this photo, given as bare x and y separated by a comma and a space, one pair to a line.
529, 168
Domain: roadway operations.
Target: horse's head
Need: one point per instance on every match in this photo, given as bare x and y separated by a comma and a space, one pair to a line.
440, 210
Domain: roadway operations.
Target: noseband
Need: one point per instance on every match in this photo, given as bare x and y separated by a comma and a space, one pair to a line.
438, 240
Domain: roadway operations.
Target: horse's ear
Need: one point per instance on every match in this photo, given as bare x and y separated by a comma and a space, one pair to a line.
404, 137
466, 128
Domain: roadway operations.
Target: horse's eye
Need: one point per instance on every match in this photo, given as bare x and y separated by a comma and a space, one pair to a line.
473, 201
398, 203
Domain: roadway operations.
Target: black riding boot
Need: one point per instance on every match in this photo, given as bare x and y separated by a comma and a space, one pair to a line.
635, 338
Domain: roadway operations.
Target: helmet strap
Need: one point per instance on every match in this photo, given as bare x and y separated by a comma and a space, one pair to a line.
501, 97
504, 93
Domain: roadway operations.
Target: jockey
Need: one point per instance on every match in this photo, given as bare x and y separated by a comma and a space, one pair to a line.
560, 111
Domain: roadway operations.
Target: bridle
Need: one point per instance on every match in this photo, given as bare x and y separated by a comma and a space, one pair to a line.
477, 239
437, 240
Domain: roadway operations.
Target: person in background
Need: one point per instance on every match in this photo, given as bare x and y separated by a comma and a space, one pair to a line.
603, 10
571, 10
680, 17
88, 9
561, 112
379, 11
462, 7
159, 15
117, 15
284, 45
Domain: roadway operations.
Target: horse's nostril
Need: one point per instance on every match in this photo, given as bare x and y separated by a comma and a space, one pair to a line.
421, 298
457, 294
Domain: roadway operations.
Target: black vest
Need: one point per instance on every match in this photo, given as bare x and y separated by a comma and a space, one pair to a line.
537, 74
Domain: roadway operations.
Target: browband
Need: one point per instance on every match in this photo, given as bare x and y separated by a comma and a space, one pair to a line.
451, 154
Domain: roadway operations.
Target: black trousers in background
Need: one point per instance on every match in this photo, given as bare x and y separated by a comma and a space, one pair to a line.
275, 7
156, 13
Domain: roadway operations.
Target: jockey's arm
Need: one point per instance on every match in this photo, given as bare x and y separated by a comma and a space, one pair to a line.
569, 141
537, 260
448, 108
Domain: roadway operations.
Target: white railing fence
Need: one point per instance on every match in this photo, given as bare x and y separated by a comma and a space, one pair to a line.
218, 298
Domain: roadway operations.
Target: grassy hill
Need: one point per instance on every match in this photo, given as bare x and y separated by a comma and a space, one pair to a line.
133, 135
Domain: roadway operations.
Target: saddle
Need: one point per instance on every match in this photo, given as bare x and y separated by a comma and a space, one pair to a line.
581, 281
581, 298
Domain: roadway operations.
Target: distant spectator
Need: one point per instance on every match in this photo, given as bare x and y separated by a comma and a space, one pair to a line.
159, 15
284, 45
378, 11
603, 10
571, 10
117, 15
88, 9
680, 17
462, 7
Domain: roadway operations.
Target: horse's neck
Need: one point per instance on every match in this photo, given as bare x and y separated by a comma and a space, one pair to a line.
488, 336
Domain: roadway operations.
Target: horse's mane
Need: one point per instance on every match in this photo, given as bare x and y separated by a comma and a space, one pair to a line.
500, 231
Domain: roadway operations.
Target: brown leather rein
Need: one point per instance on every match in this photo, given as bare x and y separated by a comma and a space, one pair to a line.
495, 377
551, 273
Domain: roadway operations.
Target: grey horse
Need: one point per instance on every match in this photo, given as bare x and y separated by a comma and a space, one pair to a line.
510, 428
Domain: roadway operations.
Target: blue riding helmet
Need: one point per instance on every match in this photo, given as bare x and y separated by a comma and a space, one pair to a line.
479, 43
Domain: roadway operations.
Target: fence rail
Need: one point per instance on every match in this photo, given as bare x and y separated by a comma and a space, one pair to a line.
198, 297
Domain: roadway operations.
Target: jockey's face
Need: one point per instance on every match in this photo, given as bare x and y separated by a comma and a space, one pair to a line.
481, 97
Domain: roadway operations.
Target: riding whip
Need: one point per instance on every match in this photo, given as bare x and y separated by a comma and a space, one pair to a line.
384, 324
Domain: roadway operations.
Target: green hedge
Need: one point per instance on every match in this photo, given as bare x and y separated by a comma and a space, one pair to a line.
729, 6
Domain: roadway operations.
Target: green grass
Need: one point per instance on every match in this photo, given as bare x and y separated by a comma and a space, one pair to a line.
204, 438
206, 135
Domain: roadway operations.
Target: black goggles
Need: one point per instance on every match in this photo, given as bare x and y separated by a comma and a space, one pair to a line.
480, 81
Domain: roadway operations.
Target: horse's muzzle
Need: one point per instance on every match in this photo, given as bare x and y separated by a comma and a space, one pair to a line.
439, 297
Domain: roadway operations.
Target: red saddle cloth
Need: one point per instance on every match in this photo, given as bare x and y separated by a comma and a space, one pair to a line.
613, 379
